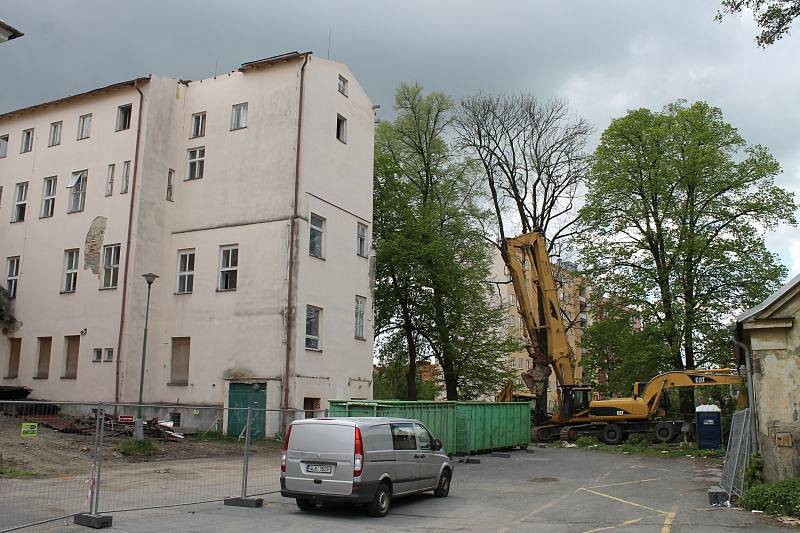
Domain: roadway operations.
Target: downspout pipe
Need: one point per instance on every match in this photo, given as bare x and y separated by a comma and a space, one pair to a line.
735, 338
290, 312
132, 190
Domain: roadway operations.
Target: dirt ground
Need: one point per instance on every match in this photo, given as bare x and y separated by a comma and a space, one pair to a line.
52, 453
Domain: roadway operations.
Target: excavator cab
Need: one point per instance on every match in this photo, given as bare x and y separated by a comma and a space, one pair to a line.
638, 389
574, 401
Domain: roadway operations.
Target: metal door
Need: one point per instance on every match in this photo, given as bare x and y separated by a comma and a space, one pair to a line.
240, 397
407, 461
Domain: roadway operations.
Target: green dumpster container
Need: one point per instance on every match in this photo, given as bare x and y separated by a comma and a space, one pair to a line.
463, 427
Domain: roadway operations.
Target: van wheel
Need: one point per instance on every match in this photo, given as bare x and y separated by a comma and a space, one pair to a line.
306, 505
381, 501
611, 434
443, 488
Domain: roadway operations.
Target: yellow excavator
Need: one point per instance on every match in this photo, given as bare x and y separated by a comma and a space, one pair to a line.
577, 412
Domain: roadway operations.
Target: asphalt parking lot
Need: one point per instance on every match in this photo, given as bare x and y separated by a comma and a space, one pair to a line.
553, 490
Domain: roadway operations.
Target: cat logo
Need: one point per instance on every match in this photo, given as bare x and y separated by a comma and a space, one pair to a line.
699, 379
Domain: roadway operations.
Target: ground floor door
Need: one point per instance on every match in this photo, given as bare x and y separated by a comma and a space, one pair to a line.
240, 397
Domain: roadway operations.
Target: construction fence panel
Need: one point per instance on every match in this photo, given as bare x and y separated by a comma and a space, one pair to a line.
737, 454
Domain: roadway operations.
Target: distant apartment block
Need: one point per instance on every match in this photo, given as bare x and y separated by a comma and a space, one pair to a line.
250, 196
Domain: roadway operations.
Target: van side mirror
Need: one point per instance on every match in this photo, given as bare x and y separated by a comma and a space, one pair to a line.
437, 445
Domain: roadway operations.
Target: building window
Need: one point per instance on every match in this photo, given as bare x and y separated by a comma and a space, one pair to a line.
12, 275
73, 346
109, 355
179, 372
170, 179
124, 117
110, 266
313, 319
239, 116
197, 162
198, 125
14, 348
185, 271
361, 239
84, 126
3, 146
97, 355
43, 361
48, 197
311, 406
341, 128
20, 202
126, 173
55, 134
315, 242
110, 180
70, 270
228, 267
27, 141
361, 306
342, 85
77, 187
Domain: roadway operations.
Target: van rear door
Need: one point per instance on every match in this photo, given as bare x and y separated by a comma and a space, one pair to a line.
319, 458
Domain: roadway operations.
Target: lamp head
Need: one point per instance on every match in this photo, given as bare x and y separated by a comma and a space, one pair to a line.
149, 277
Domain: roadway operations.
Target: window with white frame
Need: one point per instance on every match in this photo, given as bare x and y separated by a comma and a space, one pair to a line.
97, 355
70, 270
126, 174
361, 239
198, 125
360, 310
196, 159
185, 271
342, 85
228, 267
316, 233
341, 128
239, 116
110, 180
48, 197
313, 327
12, 275
77, 188
111, 266
27, 141
3, 146
124, 113
84, 126
55, 134
20, 202
109, 355
170, 178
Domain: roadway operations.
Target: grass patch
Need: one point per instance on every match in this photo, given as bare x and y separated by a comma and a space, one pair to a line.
211, 436
11, 472
137, 448
640, 444
779, 498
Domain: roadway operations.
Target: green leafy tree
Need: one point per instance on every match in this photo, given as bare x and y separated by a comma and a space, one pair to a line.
774, 17
432, 259
676, 209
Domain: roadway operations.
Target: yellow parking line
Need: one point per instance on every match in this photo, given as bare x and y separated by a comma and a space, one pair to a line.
621, 500
625, 483
542, 508
668, 521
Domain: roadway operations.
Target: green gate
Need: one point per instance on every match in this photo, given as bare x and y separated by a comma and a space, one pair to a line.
240, 397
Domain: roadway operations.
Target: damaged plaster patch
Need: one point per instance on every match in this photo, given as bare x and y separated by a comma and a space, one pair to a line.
94, 245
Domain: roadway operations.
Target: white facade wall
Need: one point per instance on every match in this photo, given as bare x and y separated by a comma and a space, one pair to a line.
244, 198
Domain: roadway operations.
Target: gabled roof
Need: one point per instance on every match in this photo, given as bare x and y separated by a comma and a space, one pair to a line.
774, 301
13, 32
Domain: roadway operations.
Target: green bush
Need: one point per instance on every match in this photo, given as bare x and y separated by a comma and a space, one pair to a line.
584, 441
132, 447
754, 475
779, 498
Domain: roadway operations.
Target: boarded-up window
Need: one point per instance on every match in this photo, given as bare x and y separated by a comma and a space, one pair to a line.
310, 405
73, 345
43, 364
180, 361
14, 347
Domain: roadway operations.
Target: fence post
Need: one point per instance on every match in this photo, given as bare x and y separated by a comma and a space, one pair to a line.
93, 519
243, 500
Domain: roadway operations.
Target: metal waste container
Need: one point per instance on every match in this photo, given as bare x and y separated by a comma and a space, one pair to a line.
709, 427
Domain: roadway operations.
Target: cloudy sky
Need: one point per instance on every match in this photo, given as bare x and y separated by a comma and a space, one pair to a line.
603, 56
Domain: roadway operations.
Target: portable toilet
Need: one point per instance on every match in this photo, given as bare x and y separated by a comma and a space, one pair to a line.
709, 427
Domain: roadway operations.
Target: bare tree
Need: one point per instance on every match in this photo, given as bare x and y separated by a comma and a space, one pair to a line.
534, 160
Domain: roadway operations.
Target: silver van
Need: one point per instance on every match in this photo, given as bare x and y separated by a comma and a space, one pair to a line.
366, 460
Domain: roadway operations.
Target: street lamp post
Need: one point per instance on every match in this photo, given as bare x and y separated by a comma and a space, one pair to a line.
139, 429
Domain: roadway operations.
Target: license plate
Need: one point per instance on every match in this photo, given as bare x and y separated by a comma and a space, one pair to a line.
319, 469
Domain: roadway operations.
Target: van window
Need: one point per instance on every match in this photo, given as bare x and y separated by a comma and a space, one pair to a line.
328, 438
403, 437
423, 437
378, 438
